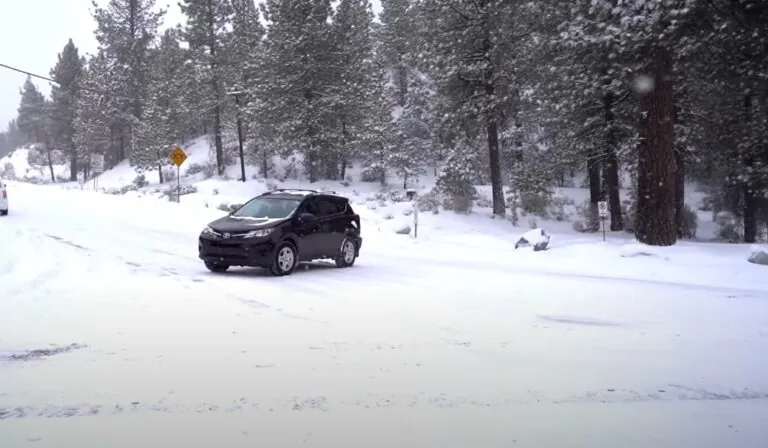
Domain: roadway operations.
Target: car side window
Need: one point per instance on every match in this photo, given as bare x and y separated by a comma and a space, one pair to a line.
326, 207
310, 206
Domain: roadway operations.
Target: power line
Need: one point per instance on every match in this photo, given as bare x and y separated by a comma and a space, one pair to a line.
27, 73
89, 89
45, 78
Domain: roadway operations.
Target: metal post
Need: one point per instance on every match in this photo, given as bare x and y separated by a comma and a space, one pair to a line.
603, 220
178, 184
240, 135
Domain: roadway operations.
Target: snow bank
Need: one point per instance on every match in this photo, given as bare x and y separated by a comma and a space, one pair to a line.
758, 255
16, 165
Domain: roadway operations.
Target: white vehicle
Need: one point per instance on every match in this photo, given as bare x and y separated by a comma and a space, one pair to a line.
3, 198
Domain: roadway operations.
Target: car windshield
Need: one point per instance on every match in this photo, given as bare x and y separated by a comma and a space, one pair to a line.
267, 208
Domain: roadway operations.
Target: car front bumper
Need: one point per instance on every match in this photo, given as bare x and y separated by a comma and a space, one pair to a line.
236, 252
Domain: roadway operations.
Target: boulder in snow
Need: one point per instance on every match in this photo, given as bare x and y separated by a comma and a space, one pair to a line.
759, 255
537, 238
404, 229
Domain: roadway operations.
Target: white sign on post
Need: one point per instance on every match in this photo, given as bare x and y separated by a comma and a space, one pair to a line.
97, 163
602, 209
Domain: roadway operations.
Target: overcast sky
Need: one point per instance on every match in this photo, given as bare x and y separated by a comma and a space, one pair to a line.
33, 33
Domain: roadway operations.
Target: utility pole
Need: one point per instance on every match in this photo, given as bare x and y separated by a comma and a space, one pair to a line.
239, 134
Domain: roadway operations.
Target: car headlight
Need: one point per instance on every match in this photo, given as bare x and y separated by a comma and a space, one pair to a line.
258, 233
207, 231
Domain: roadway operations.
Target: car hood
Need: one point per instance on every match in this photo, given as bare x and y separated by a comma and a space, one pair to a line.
233, 224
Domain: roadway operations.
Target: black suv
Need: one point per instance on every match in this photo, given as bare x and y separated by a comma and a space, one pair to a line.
281, 228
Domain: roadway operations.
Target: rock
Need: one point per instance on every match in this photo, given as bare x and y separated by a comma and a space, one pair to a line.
404, 229
537, 238
759, 255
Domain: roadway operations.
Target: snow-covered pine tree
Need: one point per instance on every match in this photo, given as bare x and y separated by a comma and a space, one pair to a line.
165, 115
396, 36
205, 31
32, 119
413, 126
246, 59
587, 102
354, 79
471, 46
125, 31
94, 114
67, 74
650, 33
727, 107
377, 143
296, 58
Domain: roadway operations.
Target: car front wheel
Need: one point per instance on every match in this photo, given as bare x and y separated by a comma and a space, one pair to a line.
285, 260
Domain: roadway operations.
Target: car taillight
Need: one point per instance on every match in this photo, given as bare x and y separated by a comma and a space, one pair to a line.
5, 194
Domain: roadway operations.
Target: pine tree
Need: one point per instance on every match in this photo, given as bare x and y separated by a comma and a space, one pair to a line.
472, 48
299, 78
245, 56
32, 111
94, 114
205, 32
412, 125
354, 79
125, 31
67, 74
397, 34
587, 99
166, 112
726, 109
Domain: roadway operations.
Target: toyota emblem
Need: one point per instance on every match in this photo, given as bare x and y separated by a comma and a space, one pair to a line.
227, 236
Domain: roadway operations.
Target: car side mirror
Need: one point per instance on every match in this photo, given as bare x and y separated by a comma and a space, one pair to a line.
306, 217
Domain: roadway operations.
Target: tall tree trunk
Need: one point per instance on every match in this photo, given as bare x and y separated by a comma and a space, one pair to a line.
311, 164
682, 230
343, 174
160, 173
50, 161
402, 84
595, 195
216, 93
217, 136
611, 164
655, 223
492, 134
264, 163
749, 187
497, 187
73, 164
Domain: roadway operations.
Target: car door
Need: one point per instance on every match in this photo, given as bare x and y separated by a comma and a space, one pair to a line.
308, 231
339, 222
327, 214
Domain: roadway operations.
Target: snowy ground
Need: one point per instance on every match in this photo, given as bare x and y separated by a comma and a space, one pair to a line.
113, 334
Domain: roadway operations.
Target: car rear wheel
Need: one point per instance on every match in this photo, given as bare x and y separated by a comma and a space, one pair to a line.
347, 253
4, 212
285, 260
216, 267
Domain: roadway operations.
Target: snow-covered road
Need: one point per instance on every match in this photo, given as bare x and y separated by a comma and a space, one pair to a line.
113, 334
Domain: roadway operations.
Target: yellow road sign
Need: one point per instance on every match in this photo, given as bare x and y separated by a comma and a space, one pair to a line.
178, 156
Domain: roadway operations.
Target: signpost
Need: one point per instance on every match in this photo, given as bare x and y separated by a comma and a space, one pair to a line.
602, 211
411, 193
97, 167
178, 157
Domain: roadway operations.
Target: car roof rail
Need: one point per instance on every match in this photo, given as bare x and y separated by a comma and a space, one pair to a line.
291, 190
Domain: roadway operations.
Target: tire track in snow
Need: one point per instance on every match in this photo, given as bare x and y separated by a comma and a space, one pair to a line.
326, 404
